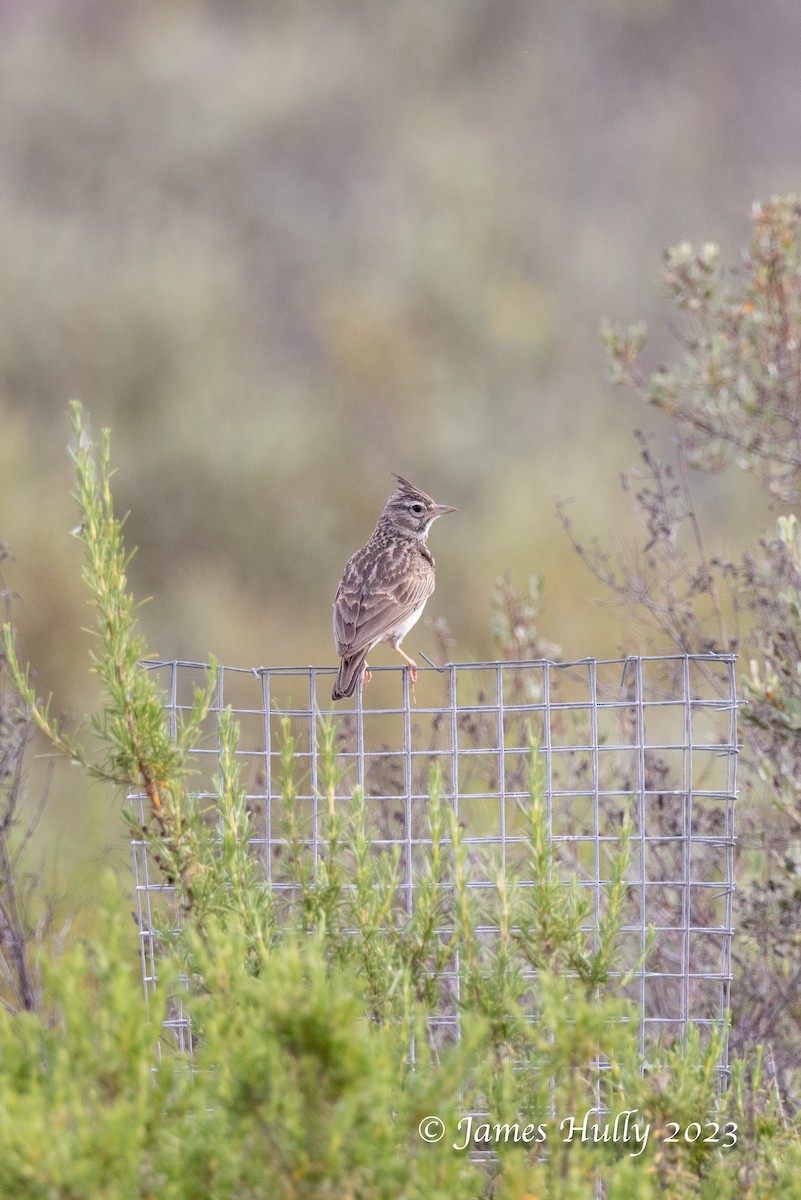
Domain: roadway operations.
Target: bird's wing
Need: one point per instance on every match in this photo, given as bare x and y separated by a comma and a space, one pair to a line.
366, 612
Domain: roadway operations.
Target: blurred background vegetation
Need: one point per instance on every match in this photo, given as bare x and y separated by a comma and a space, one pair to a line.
284, 249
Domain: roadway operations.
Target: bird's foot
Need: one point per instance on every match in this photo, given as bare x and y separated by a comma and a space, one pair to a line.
412, 665
367, 674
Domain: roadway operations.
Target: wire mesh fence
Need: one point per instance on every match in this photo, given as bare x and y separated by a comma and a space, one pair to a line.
651, 740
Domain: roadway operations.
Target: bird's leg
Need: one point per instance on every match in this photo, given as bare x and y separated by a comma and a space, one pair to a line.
412, 670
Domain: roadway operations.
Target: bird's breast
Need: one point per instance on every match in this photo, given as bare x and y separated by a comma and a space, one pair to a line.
400, 631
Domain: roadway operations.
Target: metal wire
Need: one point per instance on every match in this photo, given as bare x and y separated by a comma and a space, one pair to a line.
653, 739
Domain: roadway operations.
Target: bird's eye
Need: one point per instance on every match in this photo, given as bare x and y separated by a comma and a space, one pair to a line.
417, 508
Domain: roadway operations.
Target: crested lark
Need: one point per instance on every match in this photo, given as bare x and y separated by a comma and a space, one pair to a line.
385, 585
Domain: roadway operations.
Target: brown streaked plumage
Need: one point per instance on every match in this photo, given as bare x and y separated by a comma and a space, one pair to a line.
385, 585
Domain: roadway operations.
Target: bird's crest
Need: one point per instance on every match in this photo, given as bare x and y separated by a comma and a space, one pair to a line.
408, 489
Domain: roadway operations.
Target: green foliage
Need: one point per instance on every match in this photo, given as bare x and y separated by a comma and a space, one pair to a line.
292, 1093
296, 1094
735, 391
136, 745
78, 1091
133, 746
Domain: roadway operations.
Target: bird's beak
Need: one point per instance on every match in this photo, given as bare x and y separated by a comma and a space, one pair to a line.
445, 508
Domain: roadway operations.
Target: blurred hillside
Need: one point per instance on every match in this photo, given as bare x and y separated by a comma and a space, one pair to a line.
285, 249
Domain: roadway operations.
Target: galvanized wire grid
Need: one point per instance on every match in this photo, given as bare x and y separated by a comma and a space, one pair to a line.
651, 737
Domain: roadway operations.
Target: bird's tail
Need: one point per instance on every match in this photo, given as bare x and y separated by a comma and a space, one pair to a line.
350, 672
